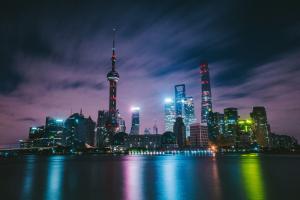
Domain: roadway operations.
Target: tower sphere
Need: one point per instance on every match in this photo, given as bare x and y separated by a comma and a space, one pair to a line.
113, 75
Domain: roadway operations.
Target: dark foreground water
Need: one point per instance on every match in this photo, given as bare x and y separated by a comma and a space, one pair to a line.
150, 177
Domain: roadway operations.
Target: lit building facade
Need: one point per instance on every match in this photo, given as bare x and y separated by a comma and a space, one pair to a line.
245, 133
148, 141
102, 137
199, 136
36, 132
231, 122
121, 124
54, 129
170, 114
188, 114
206, 103
179, 99
260, 126
135, 121
79, 130
216, 126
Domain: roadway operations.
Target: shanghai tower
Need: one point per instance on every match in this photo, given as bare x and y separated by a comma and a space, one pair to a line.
206, 105
113, 77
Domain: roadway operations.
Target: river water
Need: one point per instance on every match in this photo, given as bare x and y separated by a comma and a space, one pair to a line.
249, 176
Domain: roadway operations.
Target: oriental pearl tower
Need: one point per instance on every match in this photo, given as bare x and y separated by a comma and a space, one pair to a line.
113, 77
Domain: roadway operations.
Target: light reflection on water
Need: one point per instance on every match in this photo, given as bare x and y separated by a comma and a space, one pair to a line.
217, 193
252, 177
28, 177
133, 178
55, 178
148, 177
168, 180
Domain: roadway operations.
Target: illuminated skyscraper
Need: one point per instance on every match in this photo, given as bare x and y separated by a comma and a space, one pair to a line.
245, 133
188, 113
54, 127
179, 99
206, 105
231, 121
261, 126
80, 130
102, 135
135, 121
113, 77
216, 126
122, 125
170, 114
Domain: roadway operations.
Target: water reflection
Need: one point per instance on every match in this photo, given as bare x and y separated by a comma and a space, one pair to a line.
167, 183
133, 178
252, 177
216, 194
149, 177
55, 178
27, 189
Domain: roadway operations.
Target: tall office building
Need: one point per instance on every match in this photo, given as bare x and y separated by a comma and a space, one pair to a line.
113, 77
122, 125
206, 104
179, 99
102, 137
245, 133
36, 132
135, 121
261, 127
80, 130
170, 114
180, 132
199, 135
231, 121
54, 127
216, 126
188, 113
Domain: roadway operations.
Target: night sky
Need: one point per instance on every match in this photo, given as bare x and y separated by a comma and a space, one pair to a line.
54, 58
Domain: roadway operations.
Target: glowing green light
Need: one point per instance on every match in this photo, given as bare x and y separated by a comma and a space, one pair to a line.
249, 121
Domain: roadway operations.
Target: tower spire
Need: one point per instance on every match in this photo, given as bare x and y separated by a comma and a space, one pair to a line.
113, 58
113, 77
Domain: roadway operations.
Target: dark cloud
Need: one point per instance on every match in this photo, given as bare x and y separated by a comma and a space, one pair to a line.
27, 119
10, 79
79, 84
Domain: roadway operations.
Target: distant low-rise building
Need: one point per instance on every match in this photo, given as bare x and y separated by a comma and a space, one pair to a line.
168, 140
150, 141
199, 135
282, 141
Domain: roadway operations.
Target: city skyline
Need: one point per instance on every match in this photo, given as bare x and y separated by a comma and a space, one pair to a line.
47, 74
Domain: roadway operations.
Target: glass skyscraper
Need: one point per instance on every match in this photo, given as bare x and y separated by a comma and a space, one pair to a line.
135, 121
231, 121
170, 114
188, 113
179, 99
216, 125
206, 104
261, 127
